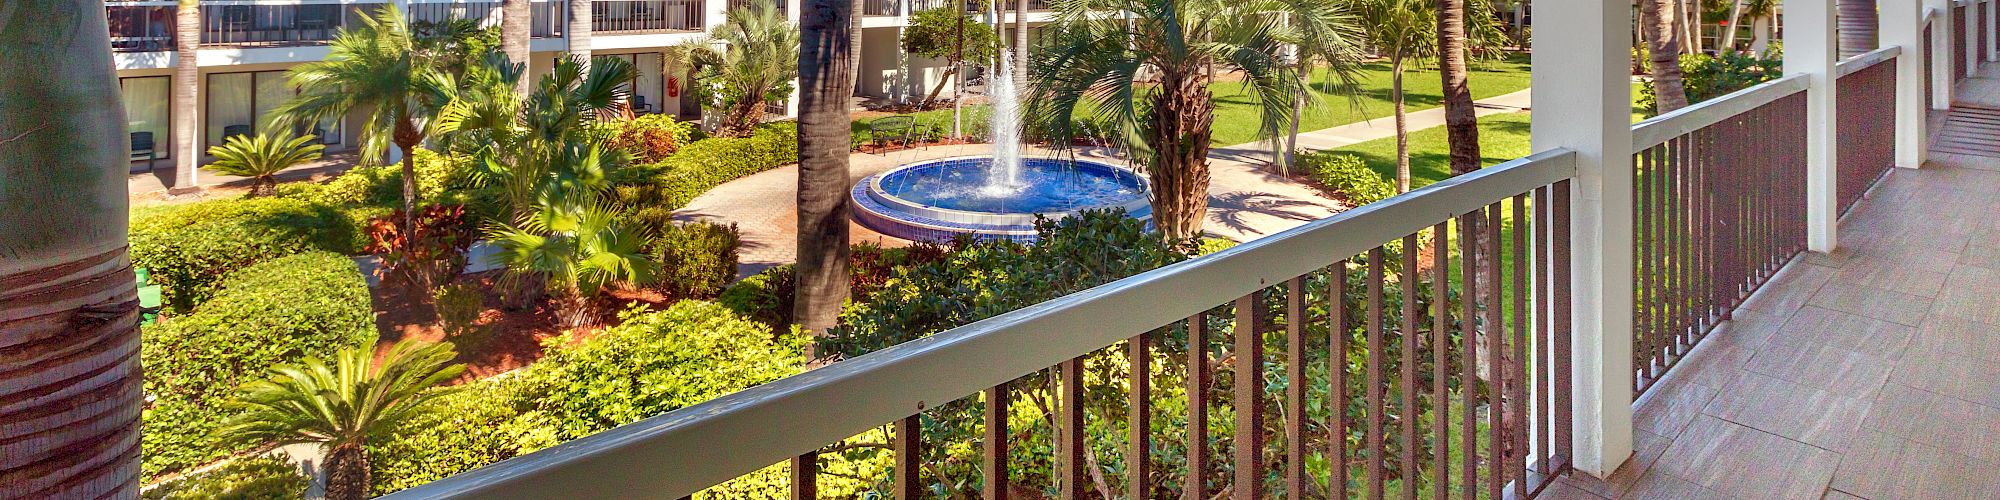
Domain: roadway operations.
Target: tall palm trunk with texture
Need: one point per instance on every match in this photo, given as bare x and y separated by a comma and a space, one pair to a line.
1663, 48
516, 20
1729, 30
1858, 23
1020, 43
854, 43
1402, 122
407, 137
825, 81
578, 33
69, 321
187, 77
1181, 121
1462, 133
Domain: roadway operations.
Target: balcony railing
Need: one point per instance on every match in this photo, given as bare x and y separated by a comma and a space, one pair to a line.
1383, 303
745, 4
647, 16
1867, 150
1720, 207
140, 28
273, 25
547, 18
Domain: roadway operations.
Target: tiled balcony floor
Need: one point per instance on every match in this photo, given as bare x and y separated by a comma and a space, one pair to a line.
1871, 372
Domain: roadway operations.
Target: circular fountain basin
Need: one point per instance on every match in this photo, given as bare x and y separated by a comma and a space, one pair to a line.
937, 200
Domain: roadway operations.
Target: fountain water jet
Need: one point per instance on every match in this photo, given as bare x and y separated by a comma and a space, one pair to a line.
1005, 177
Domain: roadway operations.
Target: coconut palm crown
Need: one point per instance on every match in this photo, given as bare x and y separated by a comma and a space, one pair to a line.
1145, 74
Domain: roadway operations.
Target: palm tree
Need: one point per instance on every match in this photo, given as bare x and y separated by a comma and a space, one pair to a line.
758, 65
375, 67
826, 70
1663, 47
516, 22
1324, 32
341, 407
1093, 63
1020, 46
1858, 24
1407, 30
64, 280
187, 78
577, 245
261, 158
534, 147
578, 33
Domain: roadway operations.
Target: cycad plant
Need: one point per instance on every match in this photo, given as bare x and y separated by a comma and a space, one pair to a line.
577, 247
342, 406
1146, 73
262, 156
758, 62
377, 66
536, 147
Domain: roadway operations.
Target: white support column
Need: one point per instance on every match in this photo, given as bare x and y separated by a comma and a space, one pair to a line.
1972, 22
1582, 95
1941, 55
1991, 27
1811, 49
1902, 25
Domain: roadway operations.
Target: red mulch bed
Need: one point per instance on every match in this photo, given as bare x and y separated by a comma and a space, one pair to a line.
511, 338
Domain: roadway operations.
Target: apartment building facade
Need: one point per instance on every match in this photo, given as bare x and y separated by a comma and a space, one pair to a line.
246, 45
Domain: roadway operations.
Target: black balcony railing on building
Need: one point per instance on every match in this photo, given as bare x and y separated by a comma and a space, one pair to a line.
745, 4
647, 15
140, 29
548, 18
274, 25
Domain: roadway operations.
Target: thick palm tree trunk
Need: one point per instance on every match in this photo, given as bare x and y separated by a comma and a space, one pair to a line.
1182, 117
854, 44
407, 138
578, 32
347, 476
516, 22
187, 74
1021, 44
1858, 25
826, 68
1462, 133
1663, 47
69, 337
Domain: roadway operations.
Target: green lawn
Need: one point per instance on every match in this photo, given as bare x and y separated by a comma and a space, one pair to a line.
1236, 112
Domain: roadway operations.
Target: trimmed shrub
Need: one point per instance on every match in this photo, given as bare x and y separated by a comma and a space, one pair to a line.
652, 363
696, 259
670, 184
1347, 176
247, 479
768, 296
648, 138
189, 248
765, 296
437, 175
278, 311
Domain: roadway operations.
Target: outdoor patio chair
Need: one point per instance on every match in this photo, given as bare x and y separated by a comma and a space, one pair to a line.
639, 105
889, 129
144, 148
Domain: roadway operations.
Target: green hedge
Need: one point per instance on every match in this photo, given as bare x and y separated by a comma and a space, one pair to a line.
189, 248
670, 184
246, 479
437, 176
278, 311
696, 259
1347, 176
651, 363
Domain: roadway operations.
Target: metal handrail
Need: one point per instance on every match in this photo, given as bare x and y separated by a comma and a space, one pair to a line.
1660, 129
1867, 60
699, 446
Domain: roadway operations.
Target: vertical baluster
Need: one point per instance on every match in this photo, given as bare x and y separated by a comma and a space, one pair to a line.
1642, 337
1339, 333
1249, 401
1139, 468
1496, 331
1197, 396
1071, 447
1560, 318
995, 456
1518, 432
1374, 387
805, 476
1407, 341
1295, 387
1468, 376
1441, 360
1540, 262
909, 460
1671, 256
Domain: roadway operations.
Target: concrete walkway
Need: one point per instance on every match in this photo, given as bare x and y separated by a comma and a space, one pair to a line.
1245, 200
